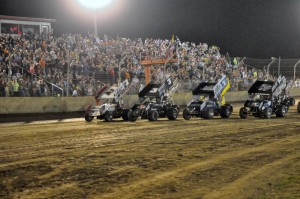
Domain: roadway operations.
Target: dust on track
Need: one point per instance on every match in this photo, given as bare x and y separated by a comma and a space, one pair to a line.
219, 158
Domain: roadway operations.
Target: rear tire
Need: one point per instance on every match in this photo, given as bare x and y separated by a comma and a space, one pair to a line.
281, 111
172, 113
108, 116
208, 113
186, 114
243, 113
153, 115
298, 107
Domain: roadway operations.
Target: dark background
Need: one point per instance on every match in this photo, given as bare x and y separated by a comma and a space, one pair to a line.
251, 28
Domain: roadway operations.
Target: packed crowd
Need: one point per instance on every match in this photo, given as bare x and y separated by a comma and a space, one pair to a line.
33, 65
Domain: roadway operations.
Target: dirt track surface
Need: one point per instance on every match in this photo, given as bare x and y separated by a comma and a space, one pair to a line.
219, 158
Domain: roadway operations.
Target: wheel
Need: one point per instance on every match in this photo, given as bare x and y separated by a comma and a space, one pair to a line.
153, 115
292, 101
172, 113
243, 113
225, 111
108, 116
267, 112
298, 107
131, 116
208, 113
87, 117
281, 111
186, 114
125, 115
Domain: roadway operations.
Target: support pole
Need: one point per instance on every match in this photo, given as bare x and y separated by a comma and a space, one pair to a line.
295, 70
238, 74
95, 23
268, 67
279, 60
148, 74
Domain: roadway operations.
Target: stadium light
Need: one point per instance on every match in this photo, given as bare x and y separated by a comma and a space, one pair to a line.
95, 4
268, 67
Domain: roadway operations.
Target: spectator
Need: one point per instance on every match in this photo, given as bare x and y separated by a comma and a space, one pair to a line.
85, 62
15, 86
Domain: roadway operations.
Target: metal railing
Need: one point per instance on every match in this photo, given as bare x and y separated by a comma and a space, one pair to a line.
36, 76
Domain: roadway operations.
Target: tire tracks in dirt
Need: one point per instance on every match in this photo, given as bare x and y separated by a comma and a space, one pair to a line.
231, 139
133, 190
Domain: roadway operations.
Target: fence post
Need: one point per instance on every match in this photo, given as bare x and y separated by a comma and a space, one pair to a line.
238, 74
268, 67
295, 70
68, 73
279, 60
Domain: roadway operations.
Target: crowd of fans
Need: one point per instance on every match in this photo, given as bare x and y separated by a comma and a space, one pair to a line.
73, 64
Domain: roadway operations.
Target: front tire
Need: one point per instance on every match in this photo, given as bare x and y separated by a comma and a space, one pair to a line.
243, 113
172, 113
108, 116
125, 116
153, 115
208, 113
87, 117
131, 116
225, 111
186, 114
292, 101
267, 113
282, 109
298, 107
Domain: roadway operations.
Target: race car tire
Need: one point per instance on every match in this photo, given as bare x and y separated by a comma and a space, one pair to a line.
131, 116
125, 116
172, 113
186, 114
225, 111
281, 111
298, 107
108, 116
292, 101
87, 117
153, 116
267, 113
208, 113
243, 113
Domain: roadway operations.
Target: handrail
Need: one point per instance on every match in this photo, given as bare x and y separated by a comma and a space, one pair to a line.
53, 85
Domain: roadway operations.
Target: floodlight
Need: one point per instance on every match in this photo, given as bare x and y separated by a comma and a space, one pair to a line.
94, 4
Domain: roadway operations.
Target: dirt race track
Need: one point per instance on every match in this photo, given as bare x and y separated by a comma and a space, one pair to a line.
219, 158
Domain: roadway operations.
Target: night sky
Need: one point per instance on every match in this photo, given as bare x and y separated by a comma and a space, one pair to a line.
251, 28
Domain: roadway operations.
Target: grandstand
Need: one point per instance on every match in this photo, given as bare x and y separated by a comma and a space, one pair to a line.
50, 66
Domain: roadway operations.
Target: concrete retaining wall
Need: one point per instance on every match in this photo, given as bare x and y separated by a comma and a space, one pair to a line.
16, 105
